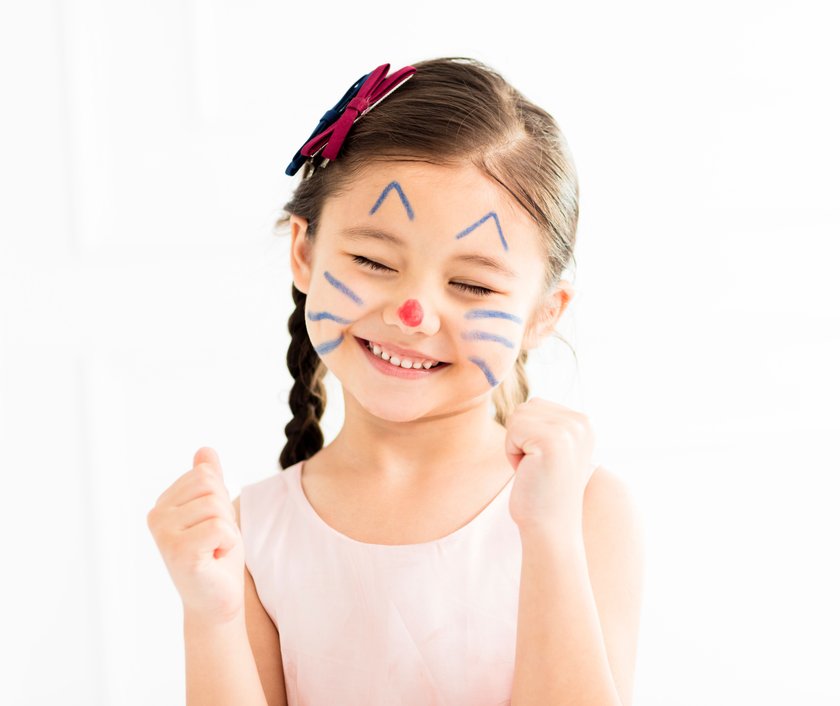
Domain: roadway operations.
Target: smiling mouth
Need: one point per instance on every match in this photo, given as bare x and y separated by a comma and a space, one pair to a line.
415, 366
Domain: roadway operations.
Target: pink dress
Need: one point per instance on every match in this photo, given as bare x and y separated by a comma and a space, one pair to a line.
431, 624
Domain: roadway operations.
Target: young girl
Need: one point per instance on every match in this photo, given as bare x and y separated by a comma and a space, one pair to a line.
455, 544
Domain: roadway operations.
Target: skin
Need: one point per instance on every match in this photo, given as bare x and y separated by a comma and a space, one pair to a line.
404, 438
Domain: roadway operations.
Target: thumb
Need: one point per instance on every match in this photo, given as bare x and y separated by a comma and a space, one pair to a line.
513, 451
207, 454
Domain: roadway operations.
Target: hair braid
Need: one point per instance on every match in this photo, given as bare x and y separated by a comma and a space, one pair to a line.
513, 390
308, 395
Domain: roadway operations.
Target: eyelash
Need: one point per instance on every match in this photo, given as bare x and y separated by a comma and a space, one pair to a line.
471, 288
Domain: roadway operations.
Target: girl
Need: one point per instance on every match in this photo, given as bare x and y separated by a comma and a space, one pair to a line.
455, 544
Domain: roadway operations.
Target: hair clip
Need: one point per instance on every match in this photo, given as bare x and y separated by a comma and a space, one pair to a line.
360, 98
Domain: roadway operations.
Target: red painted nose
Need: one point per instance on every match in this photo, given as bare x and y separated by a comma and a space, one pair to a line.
411, 313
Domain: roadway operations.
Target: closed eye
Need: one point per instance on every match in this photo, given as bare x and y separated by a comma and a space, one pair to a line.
370, 263
473, 289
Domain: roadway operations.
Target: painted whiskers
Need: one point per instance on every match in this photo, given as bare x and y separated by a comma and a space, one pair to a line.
411, 312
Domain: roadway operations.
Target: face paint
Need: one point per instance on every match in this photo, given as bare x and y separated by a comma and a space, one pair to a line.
484, 369
327, 346
393, 186
481, 220
485, 336
318, 315
343, 288
491, 314
411, 313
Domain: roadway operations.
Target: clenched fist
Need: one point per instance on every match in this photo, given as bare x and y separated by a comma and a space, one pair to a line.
194, 525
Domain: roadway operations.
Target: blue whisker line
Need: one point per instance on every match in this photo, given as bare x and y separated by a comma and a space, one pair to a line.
484, 336
395, 186
343, 288
326, 347
481, 220
491, 314
484, 369
317, 316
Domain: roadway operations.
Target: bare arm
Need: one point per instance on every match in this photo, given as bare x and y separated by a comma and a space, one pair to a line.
580, 602
220, 667
236, 663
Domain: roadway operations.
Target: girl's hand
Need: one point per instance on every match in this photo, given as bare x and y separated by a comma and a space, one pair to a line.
550, 448
194, 525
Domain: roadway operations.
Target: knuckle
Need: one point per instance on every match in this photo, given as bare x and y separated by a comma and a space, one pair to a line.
205, 485
218, 524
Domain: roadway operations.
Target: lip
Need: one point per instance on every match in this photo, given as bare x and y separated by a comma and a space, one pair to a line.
388, 368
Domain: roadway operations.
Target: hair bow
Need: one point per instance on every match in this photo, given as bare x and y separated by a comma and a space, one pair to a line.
335, 124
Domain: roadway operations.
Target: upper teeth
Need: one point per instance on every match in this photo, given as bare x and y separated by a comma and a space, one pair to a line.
397, 360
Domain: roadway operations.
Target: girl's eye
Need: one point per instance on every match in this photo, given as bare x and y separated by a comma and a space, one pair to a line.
370, 263
471, 288
480, 291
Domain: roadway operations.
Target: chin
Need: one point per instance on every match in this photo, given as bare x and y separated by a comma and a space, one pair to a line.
393, 410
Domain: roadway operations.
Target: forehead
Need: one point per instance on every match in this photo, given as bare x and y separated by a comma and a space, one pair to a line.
439, 203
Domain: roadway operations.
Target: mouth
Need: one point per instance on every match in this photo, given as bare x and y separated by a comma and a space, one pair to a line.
387, 365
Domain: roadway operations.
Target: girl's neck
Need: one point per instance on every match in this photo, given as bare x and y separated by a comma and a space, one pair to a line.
420, 450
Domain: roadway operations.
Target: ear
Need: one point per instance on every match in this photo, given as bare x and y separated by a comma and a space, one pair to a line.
300, 253
549, 311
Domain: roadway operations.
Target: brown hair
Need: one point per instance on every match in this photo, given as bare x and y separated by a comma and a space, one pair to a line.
453, 111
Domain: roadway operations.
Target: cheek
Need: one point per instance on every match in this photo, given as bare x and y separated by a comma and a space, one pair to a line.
492, 348
332, 304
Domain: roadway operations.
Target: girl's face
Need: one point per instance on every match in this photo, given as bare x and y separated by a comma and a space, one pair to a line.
436, 260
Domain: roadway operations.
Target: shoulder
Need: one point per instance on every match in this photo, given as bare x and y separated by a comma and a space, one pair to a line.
608, 501
260, 500
613, 533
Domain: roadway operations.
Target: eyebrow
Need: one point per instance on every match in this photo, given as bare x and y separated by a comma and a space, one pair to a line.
358, 233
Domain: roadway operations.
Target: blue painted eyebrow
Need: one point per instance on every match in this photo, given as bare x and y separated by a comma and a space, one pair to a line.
491, 314
393, 186
491, 214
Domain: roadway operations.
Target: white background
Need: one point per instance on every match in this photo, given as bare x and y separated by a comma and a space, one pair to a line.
144, 300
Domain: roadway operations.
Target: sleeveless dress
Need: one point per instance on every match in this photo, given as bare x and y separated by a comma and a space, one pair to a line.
429, 624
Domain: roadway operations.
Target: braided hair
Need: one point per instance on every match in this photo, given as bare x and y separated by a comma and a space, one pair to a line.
308, 396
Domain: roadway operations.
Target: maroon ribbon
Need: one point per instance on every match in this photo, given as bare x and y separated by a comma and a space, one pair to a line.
371, 92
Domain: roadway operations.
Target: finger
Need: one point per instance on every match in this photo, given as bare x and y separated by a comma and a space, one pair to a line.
203, 508
512, 451
195, 483
523, 437
205, 537
207, 454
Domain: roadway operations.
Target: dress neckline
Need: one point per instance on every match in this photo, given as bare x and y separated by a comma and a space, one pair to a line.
296, 472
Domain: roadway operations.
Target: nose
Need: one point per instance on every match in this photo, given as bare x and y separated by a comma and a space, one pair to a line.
411, 312
410, 316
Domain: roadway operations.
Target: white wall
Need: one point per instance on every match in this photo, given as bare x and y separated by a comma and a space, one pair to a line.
144, 304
